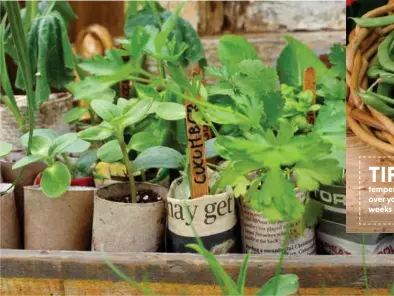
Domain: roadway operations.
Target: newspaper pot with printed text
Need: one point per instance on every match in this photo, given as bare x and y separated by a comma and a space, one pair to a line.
214, 218
122, 226
62, 223
10, 236
260, 236
331, 232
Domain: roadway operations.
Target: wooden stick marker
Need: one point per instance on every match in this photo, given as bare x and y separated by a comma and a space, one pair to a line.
310, 84
196, 146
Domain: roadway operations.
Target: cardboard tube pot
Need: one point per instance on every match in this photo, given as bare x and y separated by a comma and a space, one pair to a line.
10, 237
63, 223
29, 175
332, 238
213, 216
128, 227
261, 236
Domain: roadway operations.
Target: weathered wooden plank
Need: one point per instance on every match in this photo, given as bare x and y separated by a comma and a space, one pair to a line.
190, 269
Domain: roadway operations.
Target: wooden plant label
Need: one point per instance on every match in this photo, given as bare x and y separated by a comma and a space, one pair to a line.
310, 84
196, 145
124, 87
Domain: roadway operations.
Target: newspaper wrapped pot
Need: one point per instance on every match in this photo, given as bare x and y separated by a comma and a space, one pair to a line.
63, 223
9, 225
49, 116
261, 236
213, 216
331, 232
29, 175
128, 227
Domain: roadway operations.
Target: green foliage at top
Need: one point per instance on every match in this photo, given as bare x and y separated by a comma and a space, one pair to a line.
294, 59
157, 19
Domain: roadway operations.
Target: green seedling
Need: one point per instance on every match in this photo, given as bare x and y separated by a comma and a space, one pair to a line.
49, 148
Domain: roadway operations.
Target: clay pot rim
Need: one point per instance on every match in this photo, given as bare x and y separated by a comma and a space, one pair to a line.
70, 188
60, 96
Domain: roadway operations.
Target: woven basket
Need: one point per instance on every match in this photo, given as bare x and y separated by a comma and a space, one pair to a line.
369, 125
49, 116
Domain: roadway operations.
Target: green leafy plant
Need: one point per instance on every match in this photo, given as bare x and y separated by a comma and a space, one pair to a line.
48, 147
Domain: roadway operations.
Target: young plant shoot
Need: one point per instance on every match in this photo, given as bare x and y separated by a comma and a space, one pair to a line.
52, 149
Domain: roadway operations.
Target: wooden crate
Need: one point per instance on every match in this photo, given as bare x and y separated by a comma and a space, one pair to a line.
26, 272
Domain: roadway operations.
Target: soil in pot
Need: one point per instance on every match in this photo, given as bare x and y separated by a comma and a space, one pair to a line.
63, 223
122, 226
331, 232
260, 236
213, 216
10, 235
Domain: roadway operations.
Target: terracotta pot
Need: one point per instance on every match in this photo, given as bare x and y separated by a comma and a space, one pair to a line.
10, 237
63, 223
82, 182
128, 227
50, 115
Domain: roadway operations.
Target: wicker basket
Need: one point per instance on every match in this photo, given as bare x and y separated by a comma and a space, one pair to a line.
49, 116
369, 125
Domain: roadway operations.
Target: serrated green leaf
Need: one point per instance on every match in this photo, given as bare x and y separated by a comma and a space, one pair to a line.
74, 114
55, 180
110, 152
310, 175
232, 50
337, 58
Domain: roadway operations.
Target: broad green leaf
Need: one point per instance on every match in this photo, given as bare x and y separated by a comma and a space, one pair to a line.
27, 160
5, 148
110, 152
144, 140
287, 285
104, 109
234, 49
170, 111
55, 180
136, 113
74, 114
40, 145
96, 133
85, 161
78, 146
62, 142
92, 88
294, 59
48, 133
102, 65
158, 157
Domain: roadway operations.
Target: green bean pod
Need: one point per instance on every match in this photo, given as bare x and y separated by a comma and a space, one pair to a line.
375, 102
369, 22
385, 89
384, 53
